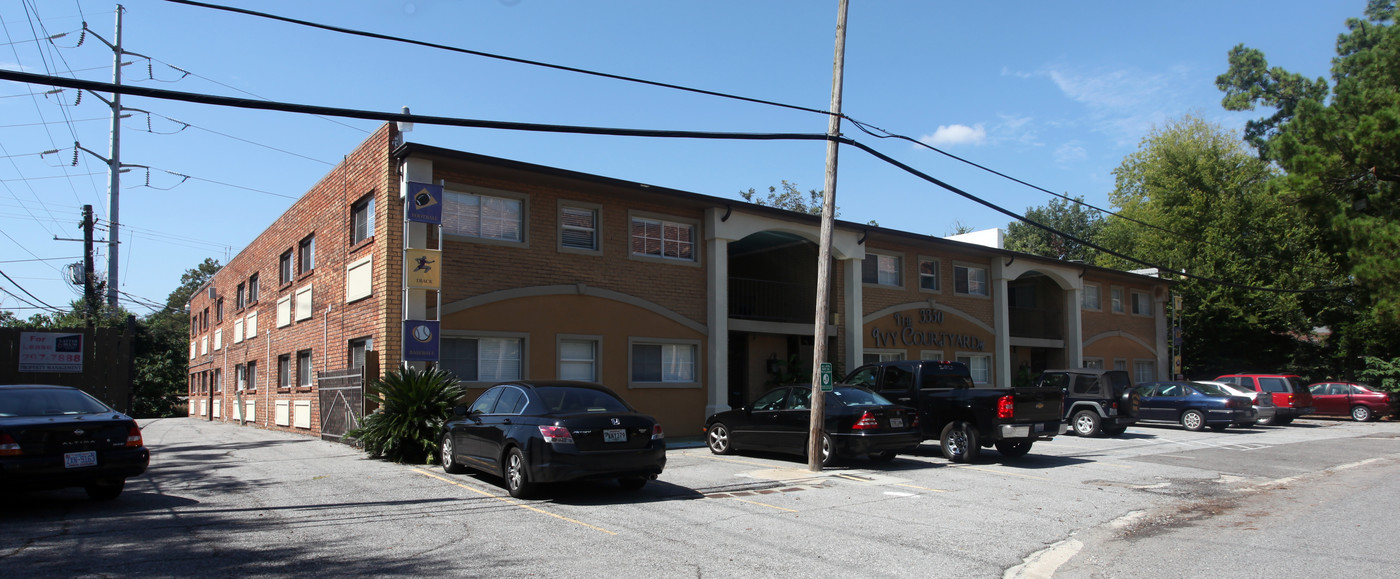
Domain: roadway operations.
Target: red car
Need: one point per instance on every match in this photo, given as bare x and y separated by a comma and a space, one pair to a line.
1359, 401
1290, 395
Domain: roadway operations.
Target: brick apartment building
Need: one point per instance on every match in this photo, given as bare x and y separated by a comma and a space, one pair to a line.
683, 303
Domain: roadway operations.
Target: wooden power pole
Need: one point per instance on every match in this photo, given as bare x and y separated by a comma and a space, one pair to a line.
833, 131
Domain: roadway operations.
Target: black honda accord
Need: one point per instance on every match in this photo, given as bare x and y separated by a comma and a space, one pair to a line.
533, 432
858, 422
54, 437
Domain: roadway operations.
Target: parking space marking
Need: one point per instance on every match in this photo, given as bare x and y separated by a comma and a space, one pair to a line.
762, 504
920, 488
1004, 473
513, 503
735, 461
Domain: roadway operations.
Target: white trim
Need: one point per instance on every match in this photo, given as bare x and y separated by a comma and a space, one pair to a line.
697, 236
597, 342
696, 364
597, 210
919, 274
986, 279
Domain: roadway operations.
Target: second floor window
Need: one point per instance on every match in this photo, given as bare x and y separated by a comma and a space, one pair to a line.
664, 239
362, 219
306, 254
881, 270
483, 216
970, 280
578, 228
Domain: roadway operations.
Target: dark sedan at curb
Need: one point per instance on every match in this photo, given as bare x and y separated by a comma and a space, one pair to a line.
54, 437
858, 422
1194, 405
535, 432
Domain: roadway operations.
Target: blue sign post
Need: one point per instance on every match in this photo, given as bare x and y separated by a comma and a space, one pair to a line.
424, 203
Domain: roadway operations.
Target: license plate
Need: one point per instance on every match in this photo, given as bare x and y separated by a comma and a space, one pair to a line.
896, 423
615, 435
80, 459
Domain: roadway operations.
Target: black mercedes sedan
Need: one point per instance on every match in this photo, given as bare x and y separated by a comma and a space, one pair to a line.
54, 437
858, 422
534, 432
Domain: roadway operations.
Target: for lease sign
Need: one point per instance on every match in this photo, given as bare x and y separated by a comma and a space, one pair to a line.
50, 352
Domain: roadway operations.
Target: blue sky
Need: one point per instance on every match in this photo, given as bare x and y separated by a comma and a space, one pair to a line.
1055, 94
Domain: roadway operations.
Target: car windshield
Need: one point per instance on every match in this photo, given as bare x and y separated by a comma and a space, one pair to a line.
569, 400
857, 397
1211, 389
48, 402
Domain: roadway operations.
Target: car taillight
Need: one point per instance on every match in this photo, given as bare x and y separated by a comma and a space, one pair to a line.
656, 433
133, 436
916, 421
867, 421
556, 434
1291, 403
8, 446
1006, 407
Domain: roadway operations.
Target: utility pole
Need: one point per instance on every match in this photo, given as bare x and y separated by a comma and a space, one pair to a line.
833, 131
114, 170
89, 290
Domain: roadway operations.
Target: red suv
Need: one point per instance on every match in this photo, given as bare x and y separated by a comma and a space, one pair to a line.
1359, 401
1290, 393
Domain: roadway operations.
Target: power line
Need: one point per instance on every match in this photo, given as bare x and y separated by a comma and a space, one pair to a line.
611, 131
26, 292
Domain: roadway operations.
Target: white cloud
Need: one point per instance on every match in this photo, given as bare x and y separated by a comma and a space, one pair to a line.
956, 135
1069, 153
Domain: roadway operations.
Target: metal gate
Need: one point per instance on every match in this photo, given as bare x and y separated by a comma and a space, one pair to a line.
342, 396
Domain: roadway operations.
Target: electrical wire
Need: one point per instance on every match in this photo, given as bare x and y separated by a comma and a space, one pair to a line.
26, 292
612, 131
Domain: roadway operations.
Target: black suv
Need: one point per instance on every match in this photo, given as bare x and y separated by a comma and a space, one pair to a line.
1096, 401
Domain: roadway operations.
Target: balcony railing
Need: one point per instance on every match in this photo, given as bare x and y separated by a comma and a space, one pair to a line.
771, 301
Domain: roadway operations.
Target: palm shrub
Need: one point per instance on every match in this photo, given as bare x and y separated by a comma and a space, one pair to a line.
413, 406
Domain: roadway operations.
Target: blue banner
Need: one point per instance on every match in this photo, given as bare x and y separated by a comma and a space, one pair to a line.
420, 340
424, 203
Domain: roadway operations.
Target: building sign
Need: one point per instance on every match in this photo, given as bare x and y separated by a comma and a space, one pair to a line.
50, 352
422, 268
909, 336
424, 203
420, 340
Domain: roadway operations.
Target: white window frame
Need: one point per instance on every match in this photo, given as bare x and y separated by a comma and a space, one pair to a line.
937, 274
1120, 364
362, 206
218, 339
665, 221
282, 413
306, 369
1115, 298
1098, 298
1093, 362
596, 233
454, 194
301, 414
523, 348
696, 363
1137, 366
986, 377
304, 306
882, 259
877, 355
931, 355
985, 282
595, 362
1134, 296
284, 371
251, 327
284, 311
359, 279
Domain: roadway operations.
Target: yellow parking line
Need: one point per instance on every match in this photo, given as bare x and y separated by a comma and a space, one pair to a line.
1005, 473
920, 488
510, 502
764, 505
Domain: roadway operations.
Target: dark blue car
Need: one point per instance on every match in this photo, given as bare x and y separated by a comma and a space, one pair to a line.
1194, 405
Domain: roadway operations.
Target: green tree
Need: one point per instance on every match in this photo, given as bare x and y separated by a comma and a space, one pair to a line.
414, 404
1199, 182
1337, 150
1068, 216
790, 198
161, 366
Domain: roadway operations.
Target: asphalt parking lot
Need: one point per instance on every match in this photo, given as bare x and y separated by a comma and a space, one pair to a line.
221, 500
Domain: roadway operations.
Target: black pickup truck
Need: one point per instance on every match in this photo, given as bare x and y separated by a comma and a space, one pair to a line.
962, 417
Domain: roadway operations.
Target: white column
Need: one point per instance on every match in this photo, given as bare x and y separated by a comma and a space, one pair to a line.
415, 237
717, 316
1001, 324
1074, 329
855, 314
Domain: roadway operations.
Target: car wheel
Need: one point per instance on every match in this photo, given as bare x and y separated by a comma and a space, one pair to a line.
1219, 427
884, 456
517, 481
1117, 431
959, 442
1086, 423
1193, 420
632, 483
718, 439
828, 453
449, 457
1014, 448
105, 490
1362, 414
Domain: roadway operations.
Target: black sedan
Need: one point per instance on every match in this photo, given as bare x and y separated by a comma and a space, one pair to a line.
535, 432
1195, 405
54, 437
858, 422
